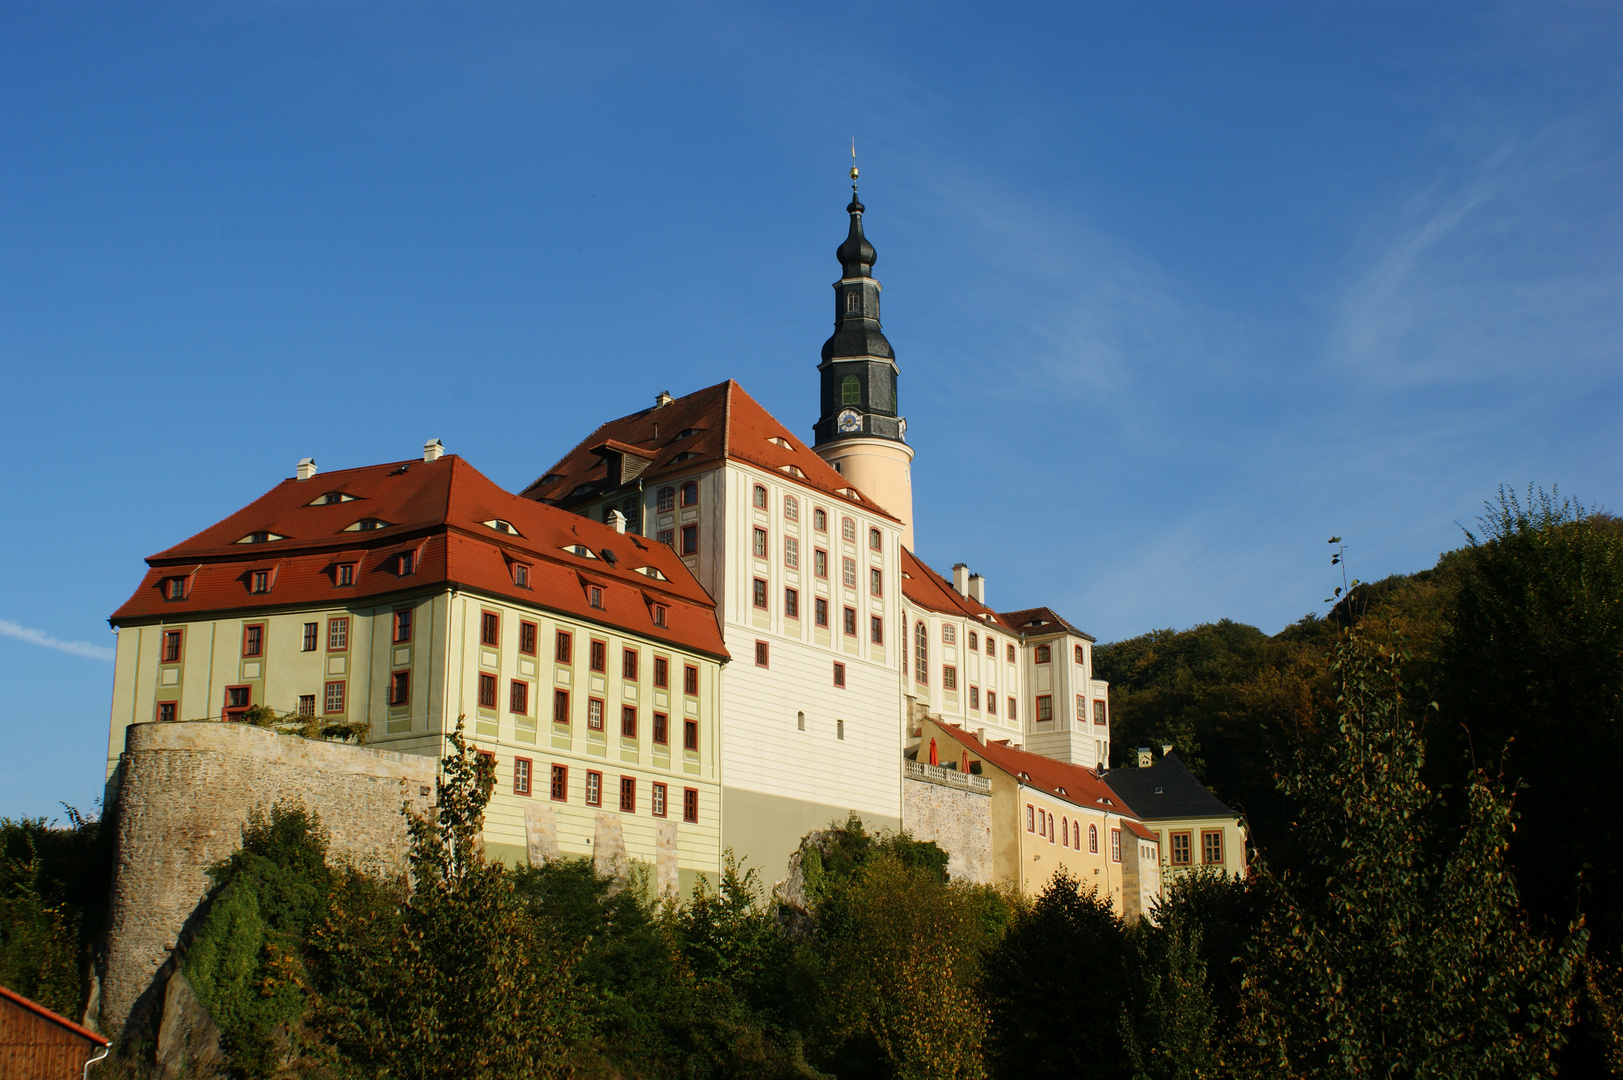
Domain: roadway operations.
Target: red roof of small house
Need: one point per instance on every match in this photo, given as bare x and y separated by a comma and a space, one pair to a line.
1042, 620
41, 1011
436, 511
1072, 783
931, 591
692, 433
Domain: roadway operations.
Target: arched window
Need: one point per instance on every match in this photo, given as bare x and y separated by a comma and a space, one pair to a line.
853, 301
876, 540
690, 494
1050, 828
1076, 836
921, 653
760, 497
1093, 839
850, 391
791, 508
1065, 831
933, 759
1080, 657
666, 499
1042, 824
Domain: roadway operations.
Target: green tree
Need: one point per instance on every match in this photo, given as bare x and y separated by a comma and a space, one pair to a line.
1400, 950
1169, 1026
53, 902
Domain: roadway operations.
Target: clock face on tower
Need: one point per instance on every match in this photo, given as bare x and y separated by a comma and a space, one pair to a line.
849, 420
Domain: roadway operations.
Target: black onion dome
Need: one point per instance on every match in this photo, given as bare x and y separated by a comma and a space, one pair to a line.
856, 255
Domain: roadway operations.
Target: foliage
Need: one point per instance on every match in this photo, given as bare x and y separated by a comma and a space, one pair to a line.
1222, 915
306, 727
1169, 1028
53, 895
1401, 950
830, 858
1056, 985
245, 963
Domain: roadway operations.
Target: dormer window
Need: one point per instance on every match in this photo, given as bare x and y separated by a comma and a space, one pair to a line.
686, 433
779, 440
367, 525
582, 550
501, 526
659, 615
652, 572
332, 498
594, 595
345, 574
261, 537
407, 564
259, 581
791, 470
521, 575
174, 588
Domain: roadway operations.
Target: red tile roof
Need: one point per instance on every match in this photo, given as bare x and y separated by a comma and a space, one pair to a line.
436, 509
1072, 783
41, 1011
1041, 620
931, 591
722, 421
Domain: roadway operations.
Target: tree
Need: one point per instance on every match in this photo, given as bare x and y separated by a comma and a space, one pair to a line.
1168, 1030
1400, 950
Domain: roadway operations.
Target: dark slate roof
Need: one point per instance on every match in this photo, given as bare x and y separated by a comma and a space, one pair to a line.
1166, 789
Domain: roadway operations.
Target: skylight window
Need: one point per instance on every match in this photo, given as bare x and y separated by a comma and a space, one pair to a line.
653, 572
582, 550
332, 498
367, 525
501, 526
261, 537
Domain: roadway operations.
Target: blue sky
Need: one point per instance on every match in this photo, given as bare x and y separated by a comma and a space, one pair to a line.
1177, 291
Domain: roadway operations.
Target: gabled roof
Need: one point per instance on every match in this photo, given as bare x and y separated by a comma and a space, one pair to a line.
46, 1014
1042, 620
436, 510
1072, 783
929, 590
1166, 790
722, 422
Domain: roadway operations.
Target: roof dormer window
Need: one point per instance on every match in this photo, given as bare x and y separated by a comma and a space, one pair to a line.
263, 536
686, 433
582, 550
779, 440
332, 498
653, 572
367, 525
501, 526
686, 455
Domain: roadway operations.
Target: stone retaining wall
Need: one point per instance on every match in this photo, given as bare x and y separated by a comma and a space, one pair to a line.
184, 791
957, 817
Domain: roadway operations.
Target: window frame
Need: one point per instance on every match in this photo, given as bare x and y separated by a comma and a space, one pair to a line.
312, 637
661, 733
602, 724
628, 721
690, 539
597, 656
1031, 819
689, 494
327, 695
665, 499
949, 677
791, 602
876, 629
628, 794
819, 519
690, 680
791, 552
658, 797
763, 653
1045, 704
1188, 838
876, 581
529, 637
758, 594
177, 636
839, 674
1207, 835
848, 572
1093, 839
558, 782
174, 711
760, 543
820, 563
338, 628
630, 663
662, 672
758, 497
343, 575
517, 688
560, 704
1043, 654
403, 618
594, 787
487, 681
690, 804
400, 689
791, 508
527, 774
876, 539
820, 611
258, 639
690, 735
563, 647
490, 628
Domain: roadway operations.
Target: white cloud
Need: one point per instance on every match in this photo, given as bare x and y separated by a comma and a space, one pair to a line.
40, 637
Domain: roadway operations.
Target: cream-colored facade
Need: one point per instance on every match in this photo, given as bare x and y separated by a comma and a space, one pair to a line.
958, 666
1069, 710
353, 667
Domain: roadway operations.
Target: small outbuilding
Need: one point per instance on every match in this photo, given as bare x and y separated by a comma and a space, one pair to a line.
37, 1044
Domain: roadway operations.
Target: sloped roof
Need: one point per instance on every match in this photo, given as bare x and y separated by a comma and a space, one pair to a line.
1166, 790
436, 509
931, 591
46, 1014
1042, 620
1072, 783
724, 421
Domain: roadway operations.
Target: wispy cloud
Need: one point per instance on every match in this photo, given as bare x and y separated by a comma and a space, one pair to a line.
40, 637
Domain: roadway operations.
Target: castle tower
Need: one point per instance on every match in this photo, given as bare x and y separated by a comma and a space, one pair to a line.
861, 430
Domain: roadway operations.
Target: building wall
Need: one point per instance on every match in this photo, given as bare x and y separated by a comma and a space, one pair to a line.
957, 818
1072, 735
971, 668
1234, 857
184, 792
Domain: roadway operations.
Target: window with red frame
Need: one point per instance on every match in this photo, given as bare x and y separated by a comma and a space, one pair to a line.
758, 496
1010, 708
759, 594
171, 646
850, 621
560, 783
1181, 844
399, 689
662, 672
665, 500
521, 776
1081, 657
1031, 818
839, 673
661, 615
662, 724
253, 639
1099, 716
1211, 847
490, 628
690, 804
344, 574
690, 494
628, 721
402, 626
791, 508
599, 655
337, 634
166, 711
876, 581
560, 707
521, 575
594, 714
175, 589
518, 697
1045, 708
487, 691
1093, 839
690, 680
820, 519
876, 630
259, 581
628, 795
1045, 653
820, 563
656, 800
595, 596
820, 612
564, 649
690, 734
333, 698
628, 663
763, 654
690, 539
526, 638
594, 789
791, 603
1011, 653
991, 645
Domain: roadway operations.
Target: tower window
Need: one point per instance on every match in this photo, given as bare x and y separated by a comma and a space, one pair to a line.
853, 302
850, 391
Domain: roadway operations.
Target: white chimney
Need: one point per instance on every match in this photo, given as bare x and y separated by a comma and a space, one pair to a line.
1166, 748
977, 589
307, 468
960, 579
617, 521
1146, 757
433, 450
662, 399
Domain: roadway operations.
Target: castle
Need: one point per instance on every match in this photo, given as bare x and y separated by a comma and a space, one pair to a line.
695, 633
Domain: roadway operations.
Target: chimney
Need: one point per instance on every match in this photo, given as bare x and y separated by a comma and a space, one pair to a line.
617, 521
1146, 757
662, 399
960, 579
433, 450
307, 468
1166, 748
980, 735
977, 589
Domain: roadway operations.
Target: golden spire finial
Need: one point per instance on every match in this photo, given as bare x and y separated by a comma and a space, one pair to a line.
853, 158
